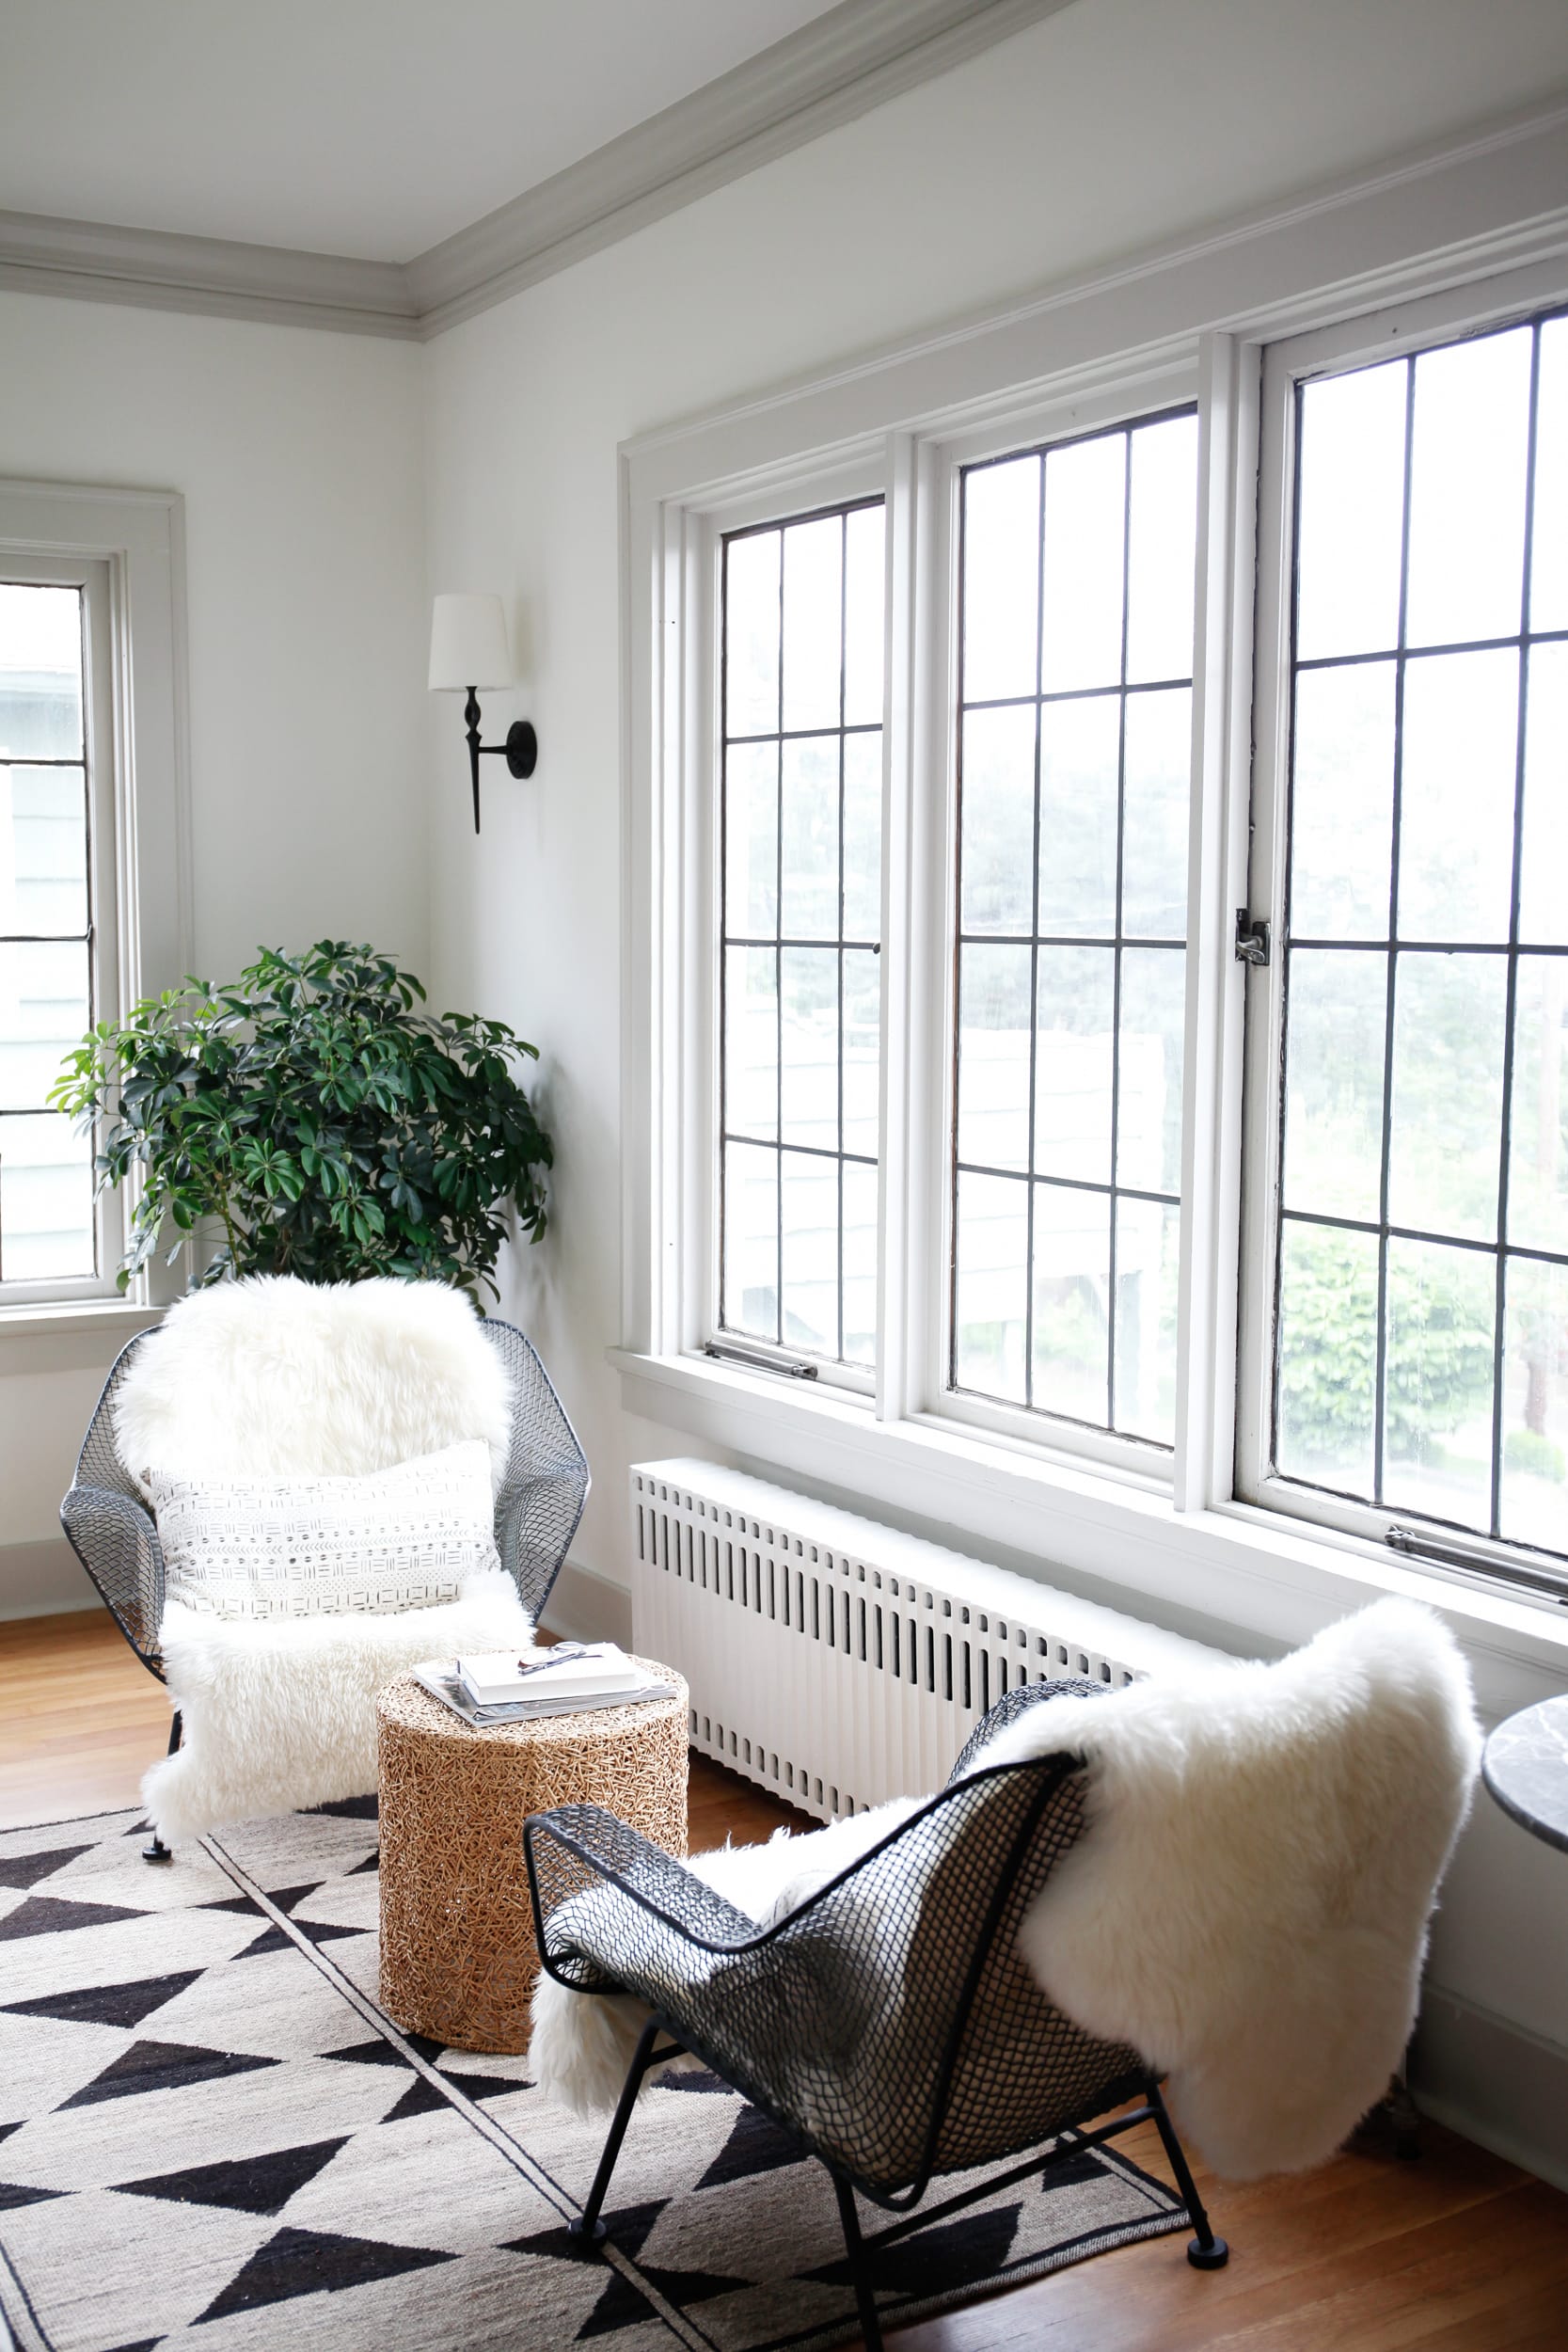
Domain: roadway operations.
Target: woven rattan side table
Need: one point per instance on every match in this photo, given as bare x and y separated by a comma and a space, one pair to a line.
458, 1960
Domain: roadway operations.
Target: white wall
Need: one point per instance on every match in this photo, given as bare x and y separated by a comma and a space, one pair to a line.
1107, 129
299, 456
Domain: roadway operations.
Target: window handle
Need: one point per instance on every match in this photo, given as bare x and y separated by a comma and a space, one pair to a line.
1252, 940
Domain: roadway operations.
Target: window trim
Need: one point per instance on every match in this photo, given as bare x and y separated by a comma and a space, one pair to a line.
1441, 220
137, 536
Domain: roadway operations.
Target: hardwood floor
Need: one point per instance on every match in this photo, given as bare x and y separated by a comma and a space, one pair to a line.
1458, 2252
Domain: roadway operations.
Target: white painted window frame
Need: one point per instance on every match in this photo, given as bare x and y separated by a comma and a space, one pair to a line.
1198, 317
126, 549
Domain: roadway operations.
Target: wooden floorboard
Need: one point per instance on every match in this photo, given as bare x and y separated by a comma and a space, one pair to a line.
1457, 2252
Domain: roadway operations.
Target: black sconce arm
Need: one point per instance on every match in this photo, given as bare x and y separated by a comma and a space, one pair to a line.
520, 750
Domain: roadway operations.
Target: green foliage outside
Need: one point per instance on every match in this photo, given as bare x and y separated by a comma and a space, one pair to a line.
319, 1121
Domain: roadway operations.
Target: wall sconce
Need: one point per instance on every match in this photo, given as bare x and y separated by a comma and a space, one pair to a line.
469, 648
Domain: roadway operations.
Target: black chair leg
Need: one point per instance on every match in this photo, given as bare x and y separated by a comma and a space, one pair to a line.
587, 2224
155, 1851
854, 2246
1205, 2251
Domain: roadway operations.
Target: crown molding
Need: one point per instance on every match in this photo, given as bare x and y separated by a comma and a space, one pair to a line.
856, 56
841, 65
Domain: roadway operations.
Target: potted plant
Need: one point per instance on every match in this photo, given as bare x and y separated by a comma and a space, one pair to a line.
311, 1118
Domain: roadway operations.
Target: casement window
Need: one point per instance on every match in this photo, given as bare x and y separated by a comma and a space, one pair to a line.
1098, 977
91, 865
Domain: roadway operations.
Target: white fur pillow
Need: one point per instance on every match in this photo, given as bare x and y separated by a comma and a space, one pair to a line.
278, 1378
402, 1538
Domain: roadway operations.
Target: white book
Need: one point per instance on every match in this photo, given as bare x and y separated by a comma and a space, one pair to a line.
572, 1669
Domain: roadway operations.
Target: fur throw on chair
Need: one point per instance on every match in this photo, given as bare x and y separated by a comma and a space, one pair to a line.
1249, 1903
273, 1377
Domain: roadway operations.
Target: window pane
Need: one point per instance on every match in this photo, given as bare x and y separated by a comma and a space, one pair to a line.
991, 1251
809, 902
860, 1263
1342, 801
1456, 795
863, 836
1162, 550
998, 820
1148, 1242
1535, 1404
993, 1057
802, 814
1548, 606
46, 1221
43, 1014
1086, 495
808, 1045
1351, 462
864, 562
1337, 1013
40, 673
810, 1212
1471, 437
1328, 1357
1080, 747
1542, 897
43, 850
812, 631
1447, 1077
1075, 992
1153, 1025
1159, 762
751, 634
1442, 1308
1001, 579
751, 840
1073, 1289
750, 1302
1538, 1137
751, 1041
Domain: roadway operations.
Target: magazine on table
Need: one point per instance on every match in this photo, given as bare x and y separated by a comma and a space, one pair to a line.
583, 1669
443, 1682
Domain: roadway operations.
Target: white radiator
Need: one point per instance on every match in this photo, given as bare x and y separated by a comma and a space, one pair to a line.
838, 1662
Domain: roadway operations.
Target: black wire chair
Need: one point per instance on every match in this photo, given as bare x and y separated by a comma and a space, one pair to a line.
888, 2023
538, 1506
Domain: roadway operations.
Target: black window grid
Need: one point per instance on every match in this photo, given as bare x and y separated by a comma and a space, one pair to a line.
85, 937
1113, 943
1384, 1230
780, 943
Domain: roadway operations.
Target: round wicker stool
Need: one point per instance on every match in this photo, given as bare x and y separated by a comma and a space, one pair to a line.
458, 1960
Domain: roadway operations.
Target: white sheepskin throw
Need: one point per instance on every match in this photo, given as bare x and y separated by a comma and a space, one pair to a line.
1247, 1905
278, 1378
282, 1714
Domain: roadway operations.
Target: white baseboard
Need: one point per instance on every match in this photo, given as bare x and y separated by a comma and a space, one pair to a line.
42, 1580
1493, 2082
584, 1606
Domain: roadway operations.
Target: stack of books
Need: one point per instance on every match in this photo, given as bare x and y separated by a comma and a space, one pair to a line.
569, 1680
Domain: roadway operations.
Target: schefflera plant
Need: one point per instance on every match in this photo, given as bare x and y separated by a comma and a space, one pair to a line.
319, 1119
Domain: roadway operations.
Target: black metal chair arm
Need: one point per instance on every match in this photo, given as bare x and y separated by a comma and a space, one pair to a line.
116, 1540
580, 1850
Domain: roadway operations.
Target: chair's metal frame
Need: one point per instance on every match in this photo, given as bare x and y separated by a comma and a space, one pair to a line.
538, 1504
976, 2066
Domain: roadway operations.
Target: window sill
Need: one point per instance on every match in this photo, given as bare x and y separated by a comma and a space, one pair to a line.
1233, 1575
79, 1335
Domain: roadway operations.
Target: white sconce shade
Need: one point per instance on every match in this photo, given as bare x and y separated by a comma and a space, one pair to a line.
469, 645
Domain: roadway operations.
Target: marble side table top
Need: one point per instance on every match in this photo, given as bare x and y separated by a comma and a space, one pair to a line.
1526, 1767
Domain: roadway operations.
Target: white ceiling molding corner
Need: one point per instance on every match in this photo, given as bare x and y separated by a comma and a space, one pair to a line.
838, 66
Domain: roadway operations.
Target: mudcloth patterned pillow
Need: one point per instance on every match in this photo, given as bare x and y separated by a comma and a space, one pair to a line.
402, 1538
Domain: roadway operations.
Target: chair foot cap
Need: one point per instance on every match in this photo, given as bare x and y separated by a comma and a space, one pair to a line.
1211, 2257
591, 2233
156, 1852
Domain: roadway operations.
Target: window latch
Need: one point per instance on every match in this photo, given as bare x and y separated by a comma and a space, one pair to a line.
1252, 940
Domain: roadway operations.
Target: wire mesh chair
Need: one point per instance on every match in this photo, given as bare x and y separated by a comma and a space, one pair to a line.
538, 1505
888, 2022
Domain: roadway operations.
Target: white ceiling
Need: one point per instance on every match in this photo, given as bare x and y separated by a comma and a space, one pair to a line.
366, 127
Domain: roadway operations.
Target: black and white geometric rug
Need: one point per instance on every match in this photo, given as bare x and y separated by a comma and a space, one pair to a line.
211, 2137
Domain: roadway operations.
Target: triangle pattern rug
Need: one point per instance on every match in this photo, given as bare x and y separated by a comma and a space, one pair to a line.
211, 2138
